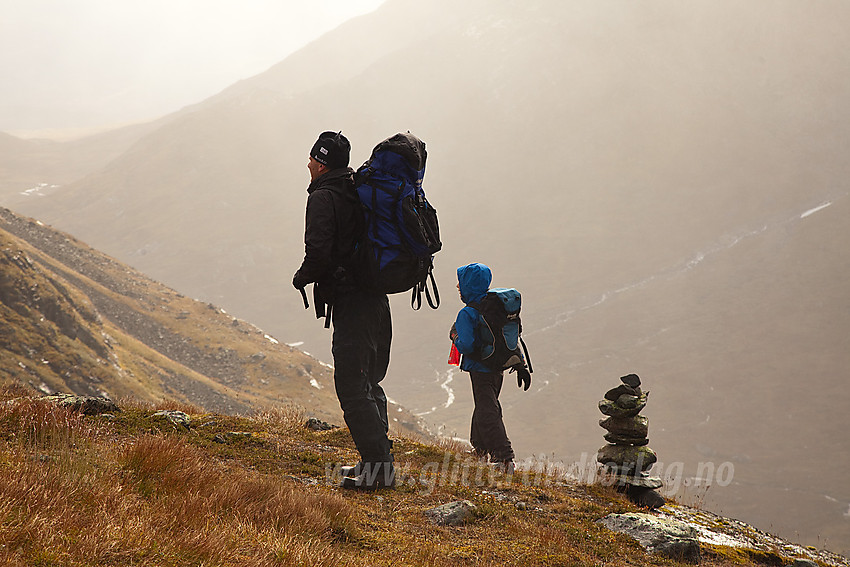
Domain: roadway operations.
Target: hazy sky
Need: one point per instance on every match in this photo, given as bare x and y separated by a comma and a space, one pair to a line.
81, 64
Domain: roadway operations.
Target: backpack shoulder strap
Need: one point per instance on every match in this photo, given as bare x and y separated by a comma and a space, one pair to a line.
527, 356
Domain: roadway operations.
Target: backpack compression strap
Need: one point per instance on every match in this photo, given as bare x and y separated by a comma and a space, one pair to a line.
416, 296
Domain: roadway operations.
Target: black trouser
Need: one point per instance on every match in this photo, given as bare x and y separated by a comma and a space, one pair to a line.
488, 435
361, 351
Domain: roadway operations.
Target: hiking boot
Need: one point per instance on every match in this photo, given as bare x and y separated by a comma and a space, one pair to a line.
506, 467
372, 476
478, 454
350, 470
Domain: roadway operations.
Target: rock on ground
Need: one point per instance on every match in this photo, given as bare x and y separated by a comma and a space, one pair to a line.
451, 514
89, 405
664, 536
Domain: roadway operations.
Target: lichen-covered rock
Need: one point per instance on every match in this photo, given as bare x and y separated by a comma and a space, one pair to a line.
625, 406
640, 480
628, 401
451, 514
635, 426
664, 536
618, 439
89, 405
177, 418
626, 458
318, 425
615, 393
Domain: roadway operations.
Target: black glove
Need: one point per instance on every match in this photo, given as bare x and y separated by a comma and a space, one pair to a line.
523, 377
453, 333
297, 282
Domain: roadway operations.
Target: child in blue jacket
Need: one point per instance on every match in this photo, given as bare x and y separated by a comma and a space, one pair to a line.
488, 435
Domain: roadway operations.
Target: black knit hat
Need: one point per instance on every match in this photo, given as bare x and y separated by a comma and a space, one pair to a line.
331, 149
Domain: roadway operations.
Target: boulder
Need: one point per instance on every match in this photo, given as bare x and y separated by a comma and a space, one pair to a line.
663, 536
632, 407
628, 401
615, 393
645, 497
636, 426
632, 380
177, 418
641, 480
451, 514
89, 405
626, 458
318, 425
618, 439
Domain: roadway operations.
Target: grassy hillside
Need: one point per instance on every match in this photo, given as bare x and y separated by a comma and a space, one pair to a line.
74, 320
131, 487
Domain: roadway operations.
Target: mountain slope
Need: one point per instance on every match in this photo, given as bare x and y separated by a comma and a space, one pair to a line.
75, 320
33, 168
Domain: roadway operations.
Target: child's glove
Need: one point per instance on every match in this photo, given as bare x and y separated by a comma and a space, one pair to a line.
523, 378
453, 333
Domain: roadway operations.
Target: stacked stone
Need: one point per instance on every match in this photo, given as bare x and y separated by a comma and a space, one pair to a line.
627, 455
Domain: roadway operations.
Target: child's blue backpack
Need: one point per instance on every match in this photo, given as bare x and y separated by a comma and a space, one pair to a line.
499, 331
401, 232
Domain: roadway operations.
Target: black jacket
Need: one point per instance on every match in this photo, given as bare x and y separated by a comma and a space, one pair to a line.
331, 229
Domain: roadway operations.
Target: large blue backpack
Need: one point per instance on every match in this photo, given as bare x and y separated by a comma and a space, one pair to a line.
401, 233
499, 332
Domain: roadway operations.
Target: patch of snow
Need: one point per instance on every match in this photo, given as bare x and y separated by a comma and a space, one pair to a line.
293, 345
445, 386
315, 384
37, 190
271, 339
444, 381
816, 209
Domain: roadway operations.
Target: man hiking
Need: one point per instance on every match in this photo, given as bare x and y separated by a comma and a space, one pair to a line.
362, 327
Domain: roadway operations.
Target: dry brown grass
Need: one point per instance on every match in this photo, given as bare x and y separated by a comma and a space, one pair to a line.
73, 494
85, 491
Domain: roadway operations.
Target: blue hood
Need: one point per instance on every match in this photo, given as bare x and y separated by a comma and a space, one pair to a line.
474, 280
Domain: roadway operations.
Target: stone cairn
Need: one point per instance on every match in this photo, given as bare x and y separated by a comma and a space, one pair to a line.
627, 456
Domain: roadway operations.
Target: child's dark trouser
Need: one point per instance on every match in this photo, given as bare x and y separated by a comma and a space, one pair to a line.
361, 351
488, 433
